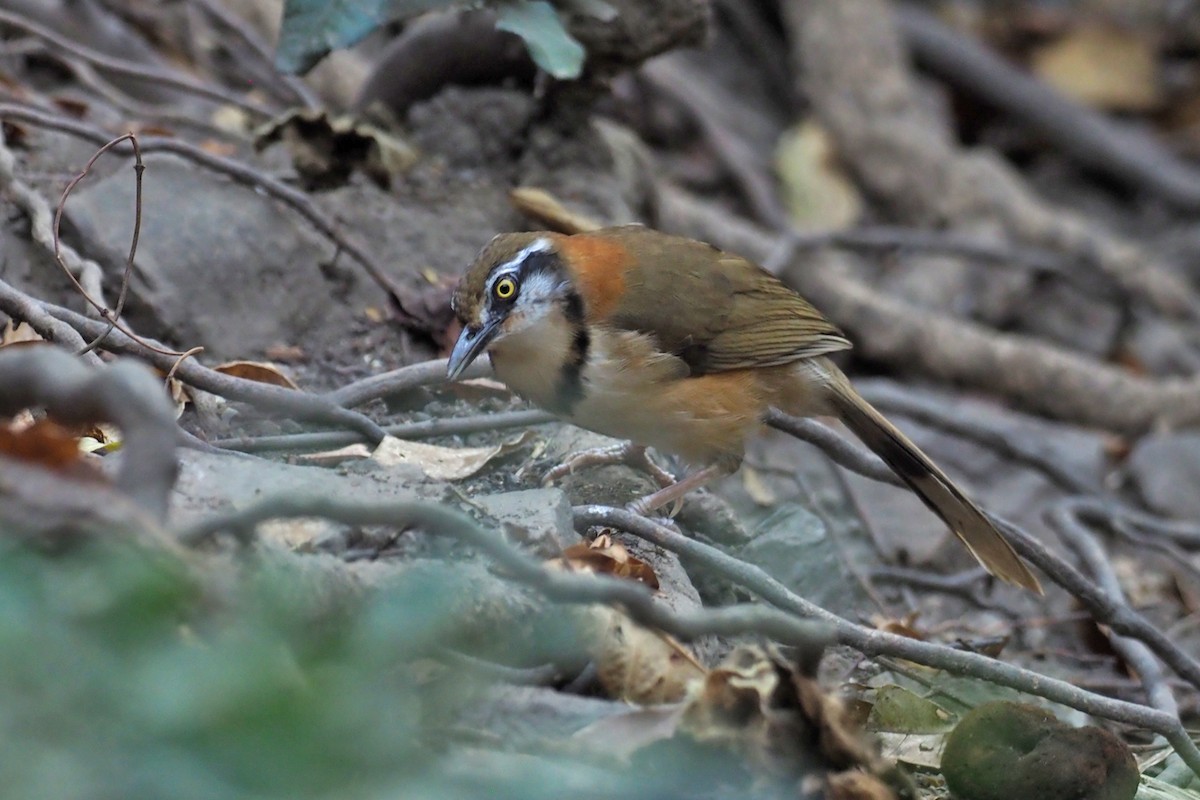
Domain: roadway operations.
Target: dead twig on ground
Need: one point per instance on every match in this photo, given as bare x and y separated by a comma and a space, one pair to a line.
236, 170
126, 394
400, 381
854, 70
20, 306
1104, 608
113, 316
712, 113
880, 643
1135, 654
260, 395
942, 416
328, 440
632, 597
889, 239
1126, 153
1037, 377
290, 89
86, 273
120, 66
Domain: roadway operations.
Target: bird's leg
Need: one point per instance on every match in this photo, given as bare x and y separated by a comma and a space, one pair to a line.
627, 453
675, 492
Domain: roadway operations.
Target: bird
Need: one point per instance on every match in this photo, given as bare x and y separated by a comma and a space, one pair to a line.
671, 343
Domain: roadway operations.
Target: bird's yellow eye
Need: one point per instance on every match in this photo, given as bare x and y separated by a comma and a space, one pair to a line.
505, 288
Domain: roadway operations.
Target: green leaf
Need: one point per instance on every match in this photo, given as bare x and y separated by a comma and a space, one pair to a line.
897, 710
548, 42
311, 28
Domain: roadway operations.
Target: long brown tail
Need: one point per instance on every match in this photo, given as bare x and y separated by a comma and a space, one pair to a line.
929, 483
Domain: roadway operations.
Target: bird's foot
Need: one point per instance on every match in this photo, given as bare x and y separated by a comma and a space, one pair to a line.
627, 453
645, 507
673, 494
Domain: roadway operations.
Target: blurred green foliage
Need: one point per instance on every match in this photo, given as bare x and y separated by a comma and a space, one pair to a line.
126, 674
121, 678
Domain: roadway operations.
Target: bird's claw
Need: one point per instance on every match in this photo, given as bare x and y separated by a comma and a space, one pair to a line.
627, 454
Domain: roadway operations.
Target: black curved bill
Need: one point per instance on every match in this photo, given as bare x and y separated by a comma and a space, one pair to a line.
471, 342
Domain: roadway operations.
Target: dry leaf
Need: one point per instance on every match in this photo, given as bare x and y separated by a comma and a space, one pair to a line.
287, 353
180, 394
297, 533
45, 443
325, 149
20, 335
604, 556
258, 371
636, 664
816, 189
757, 488
548, 210
1102, 66
100, 438
906, 626
923, 750
443, 463
478, 389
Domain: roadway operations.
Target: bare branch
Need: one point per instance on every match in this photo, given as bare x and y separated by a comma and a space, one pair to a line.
236, 170
126, 394
297, 91
445, 426
399, 381
879, 643
1093, 140
853, 68
1089, 550
633, 598
120, 66
303, 405
1103, 607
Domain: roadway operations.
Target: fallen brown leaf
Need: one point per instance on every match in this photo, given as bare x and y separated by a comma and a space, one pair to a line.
21, 334
258, 371
636, 664
443, 463
605, 556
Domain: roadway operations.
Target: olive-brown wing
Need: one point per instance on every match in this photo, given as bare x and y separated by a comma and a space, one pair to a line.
714, 310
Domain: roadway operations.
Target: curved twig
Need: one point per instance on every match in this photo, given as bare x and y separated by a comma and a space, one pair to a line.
1137, 655
876, 643
127, 394
1093, 140
633, 598
261, 395
447, 426
1104, 608
242, 173
130, 69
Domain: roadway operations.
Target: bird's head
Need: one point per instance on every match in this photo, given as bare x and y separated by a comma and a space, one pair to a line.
517, 282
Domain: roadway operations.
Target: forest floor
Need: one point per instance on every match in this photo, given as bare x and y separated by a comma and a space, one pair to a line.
356, 582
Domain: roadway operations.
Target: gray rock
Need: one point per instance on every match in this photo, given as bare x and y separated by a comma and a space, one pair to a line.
520, 715
1165, 471
211, 483
538, 519
796, 548
218, 265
